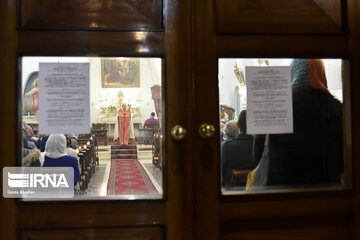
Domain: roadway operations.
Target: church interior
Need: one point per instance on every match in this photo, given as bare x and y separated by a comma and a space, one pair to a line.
166, 102
126, 119
121, 155
233, 100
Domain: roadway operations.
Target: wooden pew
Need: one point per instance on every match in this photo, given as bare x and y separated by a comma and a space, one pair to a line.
88, 160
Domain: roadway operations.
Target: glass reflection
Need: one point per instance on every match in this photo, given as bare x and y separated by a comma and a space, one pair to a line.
121, 157
311, 156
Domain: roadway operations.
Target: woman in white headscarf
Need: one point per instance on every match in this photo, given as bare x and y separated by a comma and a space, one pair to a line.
55, 155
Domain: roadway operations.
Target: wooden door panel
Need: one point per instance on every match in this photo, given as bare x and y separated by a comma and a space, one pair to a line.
298, 228
141, 233
191, 45
256, 206
333, 9
282, 46
96, 14
279, 16
253, 29
79, 43
64, 28
90, 214
312, 233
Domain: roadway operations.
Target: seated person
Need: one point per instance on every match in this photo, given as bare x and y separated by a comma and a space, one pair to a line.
152, 122
237, 153
70, 149
32, 137
43, 143
313, 154
29, 144
73, 141
231, 129
30, 157
55, 155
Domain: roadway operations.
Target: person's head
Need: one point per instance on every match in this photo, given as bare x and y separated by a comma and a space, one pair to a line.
68, 141
308, 73
124, 106
74, 143
30, 132
241, 123
152, 114
231, 129
55, 146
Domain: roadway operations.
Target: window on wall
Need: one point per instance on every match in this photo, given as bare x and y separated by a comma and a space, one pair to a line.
287, 132
103, 117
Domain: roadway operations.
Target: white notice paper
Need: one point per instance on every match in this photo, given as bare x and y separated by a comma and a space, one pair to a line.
269, 100
64, 98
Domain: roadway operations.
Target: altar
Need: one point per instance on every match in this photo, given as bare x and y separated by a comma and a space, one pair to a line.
113, 126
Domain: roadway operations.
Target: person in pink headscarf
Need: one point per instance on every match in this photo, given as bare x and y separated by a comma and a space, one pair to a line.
29, 135
30, 131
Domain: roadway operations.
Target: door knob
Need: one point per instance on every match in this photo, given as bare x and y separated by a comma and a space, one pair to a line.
178, 133
206, 130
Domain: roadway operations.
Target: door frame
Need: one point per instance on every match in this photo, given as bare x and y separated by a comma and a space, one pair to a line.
172, 216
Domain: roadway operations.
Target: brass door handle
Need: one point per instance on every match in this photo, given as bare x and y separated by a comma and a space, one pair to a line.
178, 133
206, 130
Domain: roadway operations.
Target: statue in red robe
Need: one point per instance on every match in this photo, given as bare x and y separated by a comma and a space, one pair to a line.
124, 125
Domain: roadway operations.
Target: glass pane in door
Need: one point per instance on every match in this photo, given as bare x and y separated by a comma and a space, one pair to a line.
120, 153
281, 124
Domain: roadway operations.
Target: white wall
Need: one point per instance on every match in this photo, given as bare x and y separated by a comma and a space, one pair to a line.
227, 82
333, 76
150, 74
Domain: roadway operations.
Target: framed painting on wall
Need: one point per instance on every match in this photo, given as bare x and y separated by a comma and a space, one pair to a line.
31, 95
226, 113
120, 72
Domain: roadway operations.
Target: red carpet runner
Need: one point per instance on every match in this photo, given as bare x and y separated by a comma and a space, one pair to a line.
127, 176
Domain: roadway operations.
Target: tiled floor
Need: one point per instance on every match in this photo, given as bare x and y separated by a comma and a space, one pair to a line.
155, 172
98, 183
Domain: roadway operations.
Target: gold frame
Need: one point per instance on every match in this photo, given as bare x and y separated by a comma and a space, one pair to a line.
239, 76
132, 74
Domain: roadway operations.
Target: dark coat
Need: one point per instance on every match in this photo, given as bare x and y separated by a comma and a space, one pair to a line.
236, 155
313, 154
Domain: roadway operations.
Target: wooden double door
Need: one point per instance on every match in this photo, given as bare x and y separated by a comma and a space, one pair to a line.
190, 36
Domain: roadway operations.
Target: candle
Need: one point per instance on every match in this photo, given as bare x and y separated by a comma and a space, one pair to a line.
91, 138
80, 149
84, 146
88, 144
